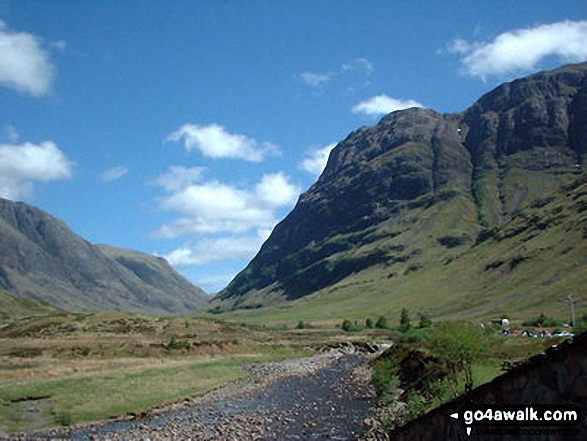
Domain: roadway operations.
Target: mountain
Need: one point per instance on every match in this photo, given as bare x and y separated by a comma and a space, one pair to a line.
400, 202
13, 307
42, 258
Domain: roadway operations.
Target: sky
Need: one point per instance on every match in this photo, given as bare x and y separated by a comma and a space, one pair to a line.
188, 129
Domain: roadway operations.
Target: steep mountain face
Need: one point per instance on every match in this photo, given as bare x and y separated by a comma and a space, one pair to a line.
41, 258
420, 187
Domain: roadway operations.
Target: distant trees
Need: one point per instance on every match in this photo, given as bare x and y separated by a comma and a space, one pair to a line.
404, 321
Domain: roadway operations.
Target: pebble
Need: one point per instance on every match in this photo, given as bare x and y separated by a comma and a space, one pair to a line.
311, 398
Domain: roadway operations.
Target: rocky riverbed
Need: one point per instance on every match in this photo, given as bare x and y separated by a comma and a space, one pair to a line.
327, 396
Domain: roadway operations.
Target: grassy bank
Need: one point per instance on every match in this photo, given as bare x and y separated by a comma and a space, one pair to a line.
67, 369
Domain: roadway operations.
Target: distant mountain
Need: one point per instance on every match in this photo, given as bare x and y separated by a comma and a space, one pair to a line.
42, 258
400, 202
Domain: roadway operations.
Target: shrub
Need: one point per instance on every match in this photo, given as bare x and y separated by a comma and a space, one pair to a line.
349, 326
541, 321
300, 325
415, 404
63, 417
404, 321
385, 379
425, 322
369, 323
382, 323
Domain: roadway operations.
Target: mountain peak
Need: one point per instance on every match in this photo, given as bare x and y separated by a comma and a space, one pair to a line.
473, 170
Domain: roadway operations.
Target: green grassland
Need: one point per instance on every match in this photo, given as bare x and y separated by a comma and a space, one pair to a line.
77, 368
527, 265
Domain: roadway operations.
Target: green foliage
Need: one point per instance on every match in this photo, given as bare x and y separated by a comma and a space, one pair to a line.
385, 379
300, 325
349, 326
463, 344
415, 404
369, 323
382, 323
63, 417
174, 344
414, 335
404, 321
425, 322
542, 321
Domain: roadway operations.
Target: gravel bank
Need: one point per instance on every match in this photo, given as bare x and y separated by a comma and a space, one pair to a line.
322, 397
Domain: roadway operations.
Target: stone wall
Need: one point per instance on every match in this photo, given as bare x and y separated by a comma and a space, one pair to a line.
555, 377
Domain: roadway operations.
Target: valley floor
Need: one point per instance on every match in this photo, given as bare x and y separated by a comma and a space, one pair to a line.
326, 396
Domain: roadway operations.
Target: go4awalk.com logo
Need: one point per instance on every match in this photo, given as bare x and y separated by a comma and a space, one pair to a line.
562, 418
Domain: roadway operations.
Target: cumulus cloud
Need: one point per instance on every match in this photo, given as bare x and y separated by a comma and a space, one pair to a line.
212, 250
209, 207
114, 173
316, 160
214, 141
521, 50
22, 165
383, 104
24, 65
314, 79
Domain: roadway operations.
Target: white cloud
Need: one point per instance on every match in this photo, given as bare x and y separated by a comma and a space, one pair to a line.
314, 79
213, 207
21, 165
212, 250
383, 104
359, 64
10, 133
275, 190
114, 173
316, 160
521, 50
24, 65
214, 141
178, 177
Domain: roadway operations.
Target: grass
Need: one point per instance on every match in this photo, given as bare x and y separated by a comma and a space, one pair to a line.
118, 392
541, 250
68, 369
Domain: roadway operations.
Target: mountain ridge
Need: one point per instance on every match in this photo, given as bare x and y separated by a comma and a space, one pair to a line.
475, 169
42, 258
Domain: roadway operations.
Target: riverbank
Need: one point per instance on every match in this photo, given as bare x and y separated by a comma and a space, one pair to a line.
327, 396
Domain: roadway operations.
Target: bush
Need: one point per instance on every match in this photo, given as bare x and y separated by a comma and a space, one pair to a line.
415, 404
349, 326
542, 321
369, 323
300, 325
414, 336
404, 321
385, 379
425, 322
63, 417
382, 323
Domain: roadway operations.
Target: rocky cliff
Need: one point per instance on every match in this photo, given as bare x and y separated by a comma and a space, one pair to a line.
420, 183
42, 258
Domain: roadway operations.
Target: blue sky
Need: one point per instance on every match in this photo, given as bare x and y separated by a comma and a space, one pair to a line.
189, 128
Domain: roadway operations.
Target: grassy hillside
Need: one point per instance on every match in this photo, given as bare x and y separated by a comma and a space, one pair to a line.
13, 308
530, 264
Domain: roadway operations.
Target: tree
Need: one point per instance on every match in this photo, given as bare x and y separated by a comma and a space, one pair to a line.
369, 323
404, 321
381, 323
462, 343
